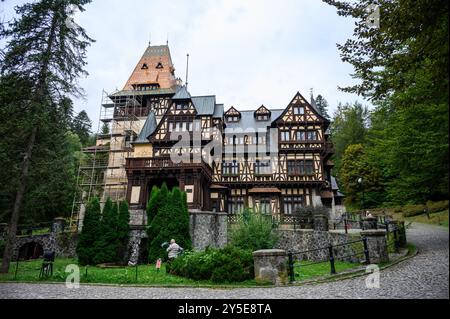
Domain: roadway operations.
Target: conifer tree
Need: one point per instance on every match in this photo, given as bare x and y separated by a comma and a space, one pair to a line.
153, 204
87, 242
43, 48
107, 243
123, 231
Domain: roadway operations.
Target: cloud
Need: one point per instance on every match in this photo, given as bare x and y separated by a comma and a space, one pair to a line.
247, 53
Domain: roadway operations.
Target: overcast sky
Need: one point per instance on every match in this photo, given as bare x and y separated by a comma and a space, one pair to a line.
247, 53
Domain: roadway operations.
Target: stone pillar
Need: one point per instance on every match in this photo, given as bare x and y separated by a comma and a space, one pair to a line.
58, 225
271, 266
3, 231
369, 222
377, 245
321, 222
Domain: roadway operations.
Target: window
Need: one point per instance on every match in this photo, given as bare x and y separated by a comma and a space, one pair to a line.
230, 168
299, 110
300, 135
311, 135
263, 117
180, 126
236, 204
285, 136
144, 66
181, 106
264, 205
292, 203
159, 65
300, 167
309, 167
233, 118
262, 167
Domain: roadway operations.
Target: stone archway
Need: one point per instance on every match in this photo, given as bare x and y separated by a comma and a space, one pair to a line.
30, 250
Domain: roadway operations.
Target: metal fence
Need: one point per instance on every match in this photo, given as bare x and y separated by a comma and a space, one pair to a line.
294, 258
297, 222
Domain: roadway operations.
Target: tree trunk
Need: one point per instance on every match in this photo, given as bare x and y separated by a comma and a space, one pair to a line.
18, 203
38, 99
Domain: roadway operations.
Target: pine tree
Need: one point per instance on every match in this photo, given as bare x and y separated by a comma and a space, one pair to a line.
322, 105
107, 244
179, 224
82, 125
123, 231
87, 242
50, 53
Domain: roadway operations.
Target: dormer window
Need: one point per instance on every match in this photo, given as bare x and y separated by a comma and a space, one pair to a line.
233, 118
232, 115
159, 65
262, 114
144, 66
262, 117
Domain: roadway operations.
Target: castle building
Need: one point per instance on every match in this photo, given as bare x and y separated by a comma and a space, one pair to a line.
224, 158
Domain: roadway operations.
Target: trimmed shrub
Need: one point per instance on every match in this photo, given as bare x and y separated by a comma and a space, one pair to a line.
170, 222
253, 232
107, 244
413, 210
123, 232
435, 207
87, 247
227, 265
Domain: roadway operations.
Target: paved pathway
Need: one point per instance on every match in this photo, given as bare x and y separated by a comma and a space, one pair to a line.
424, 276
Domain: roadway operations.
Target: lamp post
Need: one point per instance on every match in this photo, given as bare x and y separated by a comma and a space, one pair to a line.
360, 181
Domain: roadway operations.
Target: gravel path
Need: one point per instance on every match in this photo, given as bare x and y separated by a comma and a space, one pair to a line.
423, 276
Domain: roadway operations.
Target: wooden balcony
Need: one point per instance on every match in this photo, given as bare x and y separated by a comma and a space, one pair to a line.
158, 163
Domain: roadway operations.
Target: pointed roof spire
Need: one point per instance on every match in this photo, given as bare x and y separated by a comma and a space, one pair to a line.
155, 67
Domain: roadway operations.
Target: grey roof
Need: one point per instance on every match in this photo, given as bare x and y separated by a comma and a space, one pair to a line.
218, 111
334, 185
204, 104
147, 130
182, 94
248, 120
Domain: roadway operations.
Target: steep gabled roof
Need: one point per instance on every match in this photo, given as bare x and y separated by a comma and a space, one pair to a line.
147, 130
262, 110
298, 95
204, 105
182, 94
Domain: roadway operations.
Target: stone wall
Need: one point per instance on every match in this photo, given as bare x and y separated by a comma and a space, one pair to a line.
135, 244
308, 239
208, 229
59, 241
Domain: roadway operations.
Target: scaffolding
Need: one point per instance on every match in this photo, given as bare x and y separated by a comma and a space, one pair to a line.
102, 169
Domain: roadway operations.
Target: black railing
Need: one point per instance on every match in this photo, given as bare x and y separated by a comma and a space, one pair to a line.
296, 221
329, 256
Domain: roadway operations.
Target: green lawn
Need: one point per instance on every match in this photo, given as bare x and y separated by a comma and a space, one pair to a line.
28, 271
303, 272
440, 218
147, 274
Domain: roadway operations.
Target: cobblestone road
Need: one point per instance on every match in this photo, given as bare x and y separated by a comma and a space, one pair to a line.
424, 276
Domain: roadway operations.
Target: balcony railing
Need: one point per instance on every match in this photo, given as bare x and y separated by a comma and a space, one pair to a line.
159, 163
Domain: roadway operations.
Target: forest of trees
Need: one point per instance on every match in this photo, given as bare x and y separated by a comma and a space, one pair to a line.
400, 147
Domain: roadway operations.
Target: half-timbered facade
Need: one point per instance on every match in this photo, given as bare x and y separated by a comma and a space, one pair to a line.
274, 160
